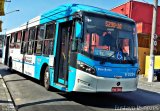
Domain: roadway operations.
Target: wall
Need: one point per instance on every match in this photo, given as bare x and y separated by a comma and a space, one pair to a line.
156, 64
142, 14
142, 53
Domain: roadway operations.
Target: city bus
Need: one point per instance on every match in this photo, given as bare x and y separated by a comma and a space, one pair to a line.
76, 48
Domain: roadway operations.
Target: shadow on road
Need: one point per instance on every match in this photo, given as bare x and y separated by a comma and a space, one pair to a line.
138, 98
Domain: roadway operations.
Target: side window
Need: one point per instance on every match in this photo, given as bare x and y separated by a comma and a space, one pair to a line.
15, 37
32, 33
26, 35
50, 29
49, 39
22, 43
12, 39
25, 42
18, 37
39, 41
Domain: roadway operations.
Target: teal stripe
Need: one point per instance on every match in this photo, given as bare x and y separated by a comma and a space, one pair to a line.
24, 62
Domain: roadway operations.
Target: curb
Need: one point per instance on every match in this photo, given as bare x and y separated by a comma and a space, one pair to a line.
11, 105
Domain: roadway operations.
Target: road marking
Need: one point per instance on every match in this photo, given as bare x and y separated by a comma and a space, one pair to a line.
9, 99
3, 85
18, 99
9, 107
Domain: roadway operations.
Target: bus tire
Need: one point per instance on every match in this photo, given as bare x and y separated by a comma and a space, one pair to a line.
46, 79
158, 77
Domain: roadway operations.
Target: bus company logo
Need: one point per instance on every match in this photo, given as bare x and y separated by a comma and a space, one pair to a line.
104, 69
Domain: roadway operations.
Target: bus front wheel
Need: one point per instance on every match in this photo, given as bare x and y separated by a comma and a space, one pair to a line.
46, 80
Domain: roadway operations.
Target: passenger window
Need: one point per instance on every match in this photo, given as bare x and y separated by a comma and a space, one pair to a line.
12, 39
23, 41
50, 29
30, 47
39, 47
41, 30
26, 36
49, 39
39, 41
18, 36
32, 33
15, 37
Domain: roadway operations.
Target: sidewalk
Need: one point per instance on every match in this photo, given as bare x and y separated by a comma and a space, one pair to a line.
150, 86
6, 103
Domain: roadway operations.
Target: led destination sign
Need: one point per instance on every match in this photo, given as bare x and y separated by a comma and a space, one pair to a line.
113, 24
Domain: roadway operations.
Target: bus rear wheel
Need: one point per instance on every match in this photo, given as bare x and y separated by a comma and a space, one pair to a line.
46, 79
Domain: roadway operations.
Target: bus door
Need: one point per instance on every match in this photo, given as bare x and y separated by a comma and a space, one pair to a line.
6, 50
62, 52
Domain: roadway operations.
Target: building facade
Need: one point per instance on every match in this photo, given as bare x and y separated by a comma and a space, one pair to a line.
142, 13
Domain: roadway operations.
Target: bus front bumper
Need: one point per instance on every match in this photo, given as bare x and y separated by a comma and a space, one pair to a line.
89, 83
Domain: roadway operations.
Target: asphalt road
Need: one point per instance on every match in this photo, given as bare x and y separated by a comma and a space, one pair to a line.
28, 95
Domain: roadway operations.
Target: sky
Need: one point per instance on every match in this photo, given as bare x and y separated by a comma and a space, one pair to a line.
32, 8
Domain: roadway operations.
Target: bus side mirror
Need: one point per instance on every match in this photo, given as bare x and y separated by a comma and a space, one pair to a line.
78, 31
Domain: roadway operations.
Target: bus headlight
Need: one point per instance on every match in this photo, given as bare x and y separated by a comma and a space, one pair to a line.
86, 68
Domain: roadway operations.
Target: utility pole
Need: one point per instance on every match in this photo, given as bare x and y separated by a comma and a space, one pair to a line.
153, 37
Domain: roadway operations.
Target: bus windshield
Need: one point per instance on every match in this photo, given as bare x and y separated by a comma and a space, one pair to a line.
109, 39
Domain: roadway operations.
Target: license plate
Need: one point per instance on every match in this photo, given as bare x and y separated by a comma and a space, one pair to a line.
116, 89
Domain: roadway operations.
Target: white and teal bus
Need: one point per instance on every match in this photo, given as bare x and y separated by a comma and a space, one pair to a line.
76, 48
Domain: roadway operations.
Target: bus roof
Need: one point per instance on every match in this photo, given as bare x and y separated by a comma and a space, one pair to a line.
70, 9
64, 11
